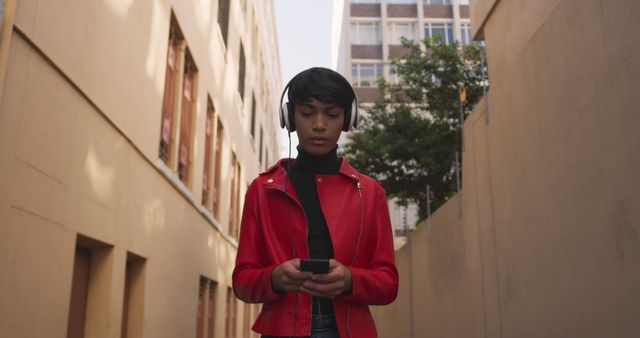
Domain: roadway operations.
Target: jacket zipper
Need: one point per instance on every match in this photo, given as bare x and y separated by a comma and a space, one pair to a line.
359, 187
307, 239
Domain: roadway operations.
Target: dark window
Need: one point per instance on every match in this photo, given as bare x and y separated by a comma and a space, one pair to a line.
223, 18
241, 72
186, 123
132, 305
217, 168
247, 320
178, 105
211, 319
90, 279
253, 116
79, 290
260, 148
170, 92
230, 327
234, 218
202, 301
206, 308
208, 153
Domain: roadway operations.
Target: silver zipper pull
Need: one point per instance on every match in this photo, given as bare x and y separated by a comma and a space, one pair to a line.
358, 184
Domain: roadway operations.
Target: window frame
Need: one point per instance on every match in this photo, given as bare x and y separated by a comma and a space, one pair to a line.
394, 38
356, 29
356, 79
449, 28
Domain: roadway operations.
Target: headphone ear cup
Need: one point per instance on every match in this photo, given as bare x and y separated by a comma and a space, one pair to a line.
283, 113
346, 126
286, 117
290, 118
351, 117
355, 115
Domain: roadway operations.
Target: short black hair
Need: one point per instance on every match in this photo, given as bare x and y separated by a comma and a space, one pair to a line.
324, 85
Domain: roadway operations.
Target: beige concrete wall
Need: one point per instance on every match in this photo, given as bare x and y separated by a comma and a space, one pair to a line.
79, 133
550, 232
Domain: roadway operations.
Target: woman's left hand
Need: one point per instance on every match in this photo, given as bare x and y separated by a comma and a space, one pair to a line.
329, 285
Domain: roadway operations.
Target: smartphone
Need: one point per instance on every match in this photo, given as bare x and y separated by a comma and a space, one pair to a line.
315, 265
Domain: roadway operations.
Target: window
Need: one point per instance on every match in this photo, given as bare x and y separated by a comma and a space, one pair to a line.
365, 33
254, 37
186, 121
230, 325
260, 148
401, 29
170, 84
438, 2
247, 320
208, 152
205, 322
365, 74
241, 72
211, 314
401, 1
444, 30
79, 289
219, 137
465, 32
91, 276
223, 18
253, 116
132, 305
178, 105
394, 77
234, 217
202, 301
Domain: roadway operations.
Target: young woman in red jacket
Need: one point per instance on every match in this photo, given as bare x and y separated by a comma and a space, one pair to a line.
316, 206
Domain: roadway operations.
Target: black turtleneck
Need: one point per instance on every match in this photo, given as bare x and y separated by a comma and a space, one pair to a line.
303, 177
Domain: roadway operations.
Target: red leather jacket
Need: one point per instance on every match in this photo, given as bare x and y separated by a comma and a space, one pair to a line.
273, 223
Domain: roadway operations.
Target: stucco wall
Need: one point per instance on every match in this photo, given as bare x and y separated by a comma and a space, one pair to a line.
550, 232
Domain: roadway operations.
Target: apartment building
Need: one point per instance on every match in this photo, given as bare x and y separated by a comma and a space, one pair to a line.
129, 132
367, 35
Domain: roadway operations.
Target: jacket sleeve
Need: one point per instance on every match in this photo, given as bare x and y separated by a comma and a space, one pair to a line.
377, 282
252, 275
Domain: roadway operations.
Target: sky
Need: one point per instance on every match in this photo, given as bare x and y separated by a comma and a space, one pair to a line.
304, 39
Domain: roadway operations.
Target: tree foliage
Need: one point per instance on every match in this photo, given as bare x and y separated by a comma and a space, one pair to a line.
408, 138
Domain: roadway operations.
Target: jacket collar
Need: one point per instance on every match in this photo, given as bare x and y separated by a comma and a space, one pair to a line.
276, 174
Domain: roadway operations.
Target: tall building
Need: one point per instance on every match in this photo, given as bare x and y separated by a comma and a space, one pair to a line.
129, 132
366, 37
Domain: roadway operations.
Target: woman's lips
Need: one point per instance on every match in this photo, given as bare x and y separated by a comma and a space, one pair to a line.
319, 141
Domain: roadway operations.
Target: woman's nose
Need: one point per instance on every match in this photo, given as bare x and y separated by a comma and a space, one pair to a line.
319, 122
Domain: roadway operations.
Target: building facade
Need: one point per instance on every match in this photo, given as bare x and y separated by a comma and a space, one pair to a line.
366, 37
129, 133
370, 32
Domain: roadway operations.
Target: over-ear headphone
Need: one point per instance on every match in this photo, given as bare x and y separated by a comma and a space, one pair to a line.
351, 115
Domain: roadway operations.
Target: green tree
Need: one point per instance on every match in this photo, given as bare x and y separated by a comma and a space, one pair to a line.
408, 138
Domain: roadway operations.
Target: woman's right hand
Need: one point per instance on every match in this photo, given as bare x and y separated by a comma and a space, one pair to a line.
288, 278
